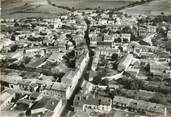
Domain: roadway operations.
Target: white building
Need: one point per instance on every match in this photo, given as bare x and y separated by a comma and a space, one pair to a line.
126, 36
169, 34
125, 62
5, 98
151, 29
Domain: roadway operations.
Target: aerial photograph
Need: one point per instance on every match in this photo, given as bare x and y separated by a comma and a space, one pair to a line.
85, 58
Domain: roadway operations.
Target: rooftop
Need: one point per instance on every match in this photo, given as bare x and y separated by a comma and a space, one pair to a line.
126, 59
46, 102
140, 104
5, 95
59, 86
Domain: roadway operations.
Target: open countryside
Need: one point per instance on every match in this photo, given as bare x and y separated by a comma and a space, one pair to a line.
153, 8
37, 8
32, 8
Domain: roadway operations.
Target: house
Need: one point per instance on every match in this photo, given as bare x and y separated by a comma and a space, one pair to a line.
87, 87
126, 37
24, 84
137, 105
93, 36
90, 103
158, 69
121, 102
128, 20
45, 78
102, 21
115, 36
107, 52
67, 78
81, 64
133, 71
95, 62
151, 29
82, 61
108, 38
93, 39
139, 49
104, 16
168, 74
142, 31
57, 23
111, 21
57, 90
10, 81
56, 57
6, 98
114, 27
34, 95
104, 45
169, 34
106, 49
47, 104
33, 86
134, 68
79, 50
125, 62
23, 104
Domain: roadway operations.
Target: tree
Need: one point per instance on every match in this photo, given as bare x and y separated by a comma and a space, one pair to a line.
118, 40
115, 65
58, 76
125, 40
142, 1
71, 54
134, 86
27, 60
100, 73
16, 24
14, 48
147, 68
104, 82
28, 112
13, 37
126, 29
120, 48
114, 57
71, 63
159, 98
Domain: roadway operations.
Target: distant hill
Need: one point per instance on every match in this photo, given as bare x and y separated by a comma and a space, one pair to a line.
29, 8
152, 8
37, 8
25, 8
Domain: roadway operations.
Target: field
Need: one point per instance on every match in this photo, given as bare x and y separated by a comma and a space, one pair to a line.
152, 8
91, 3
25, 8
41, 8
28, 8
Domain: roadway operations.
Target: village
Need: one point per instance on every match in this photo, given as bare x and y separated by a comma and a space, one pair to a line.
86, 63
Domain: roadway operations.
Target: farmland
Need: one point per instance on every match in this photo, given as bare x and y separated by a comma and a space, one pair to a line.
104, 4
25, 8
42, 8
152, 8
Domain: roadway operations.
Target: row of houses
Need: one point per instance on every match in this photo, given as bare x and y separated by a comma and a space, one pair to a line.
102, 104
45, 96
138, 105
